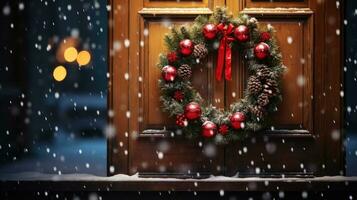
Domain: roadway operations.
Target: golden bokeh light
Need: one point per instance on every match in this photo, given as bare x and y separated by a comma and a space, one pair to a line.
83, 58
60, 73
63, 45
70, 54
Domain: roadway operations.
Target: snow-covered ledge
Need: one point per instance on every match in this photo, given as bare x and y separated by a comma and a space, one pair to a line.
121, 182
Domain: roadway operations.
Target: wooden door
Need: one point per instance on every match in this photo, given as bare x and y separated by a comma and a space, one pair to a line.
305, 137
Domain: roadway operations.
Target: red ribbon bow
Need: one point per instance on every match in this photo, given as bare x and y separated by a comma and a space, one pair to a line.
225, 51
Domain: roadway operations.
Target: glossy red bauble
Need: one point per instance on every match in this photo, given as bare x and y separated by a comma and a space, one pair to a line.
169, 73
209, 31
186, 47
262, 50
242, 33
193, 111
237, 120
208, 129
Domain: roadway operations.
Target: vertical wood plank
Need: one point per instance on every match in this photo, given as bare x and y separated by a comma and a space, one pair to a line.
118, 86
333, 87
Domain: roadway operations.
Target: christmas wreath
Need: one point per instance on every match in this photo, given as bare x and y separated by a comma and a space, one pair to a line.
189, 46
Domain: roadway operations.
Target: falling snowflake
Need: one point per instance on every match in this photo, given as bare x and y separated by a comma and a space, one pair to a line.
335, 135
221, 193
126, 43
21, 6
300, 80
289, 40
210, 150
6, 10
109, 131
160, 155
111, 169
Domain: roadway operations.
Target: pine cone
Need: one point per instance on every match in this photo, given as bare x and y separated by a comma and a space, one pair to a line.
263, 72
271, 83
184, 71
271, 87
200, 51
263, 99
254, 85
258, 111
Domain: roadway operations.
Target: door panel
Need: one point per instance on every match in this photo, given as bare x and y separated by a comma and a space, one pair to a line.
293, 36
291, 41
303, 129
154, 116
152, 147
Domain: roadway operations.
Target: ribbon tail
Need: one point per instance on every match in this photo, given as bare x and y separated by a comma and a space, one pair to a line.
228, 66
220, 59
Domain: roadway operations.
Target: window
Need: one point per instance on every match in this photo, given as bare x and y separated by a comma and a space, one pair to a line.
53, 86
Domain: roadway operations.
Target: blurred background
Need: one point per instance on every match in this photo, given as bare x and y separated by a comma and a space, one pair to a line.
53, 86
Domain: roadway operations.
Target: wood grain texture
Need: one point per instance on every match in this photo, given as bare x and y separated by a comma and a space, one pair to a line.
118, 103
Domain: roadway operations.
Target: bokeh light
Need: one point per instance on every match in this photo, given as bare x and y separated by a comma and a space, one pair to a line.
63, 46
83, 58
70, 54
60, 73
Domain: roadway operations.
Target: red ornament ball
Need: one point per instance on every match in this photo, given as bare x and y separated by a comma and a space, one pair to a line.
172, 57
237, 119
223, 129
186, 47
181, 120
169, 73
242, 33
208, 129
193, 111
209, 31
178, 95
264, 36
262, 50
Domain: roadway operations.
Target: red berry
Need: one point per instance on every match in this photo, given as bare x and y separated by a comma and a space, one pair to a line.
172, 57
179, 95
181, 120
223, 129
264, 36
